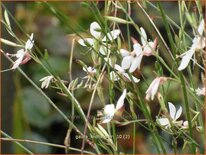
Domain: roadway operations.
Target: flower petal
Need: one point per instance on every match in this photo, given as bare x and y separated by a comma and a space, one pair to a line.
178, 114
172, 110
119, 68
143, 36
107, 119
17, 63
124, 52
111, 35
20, 53
137, 48
95, 30
136, 63
201, 27
120, 102
126, 62
30, 42
152, 90
163, 121
109, 111
132, 78
86, 41
186, 59
149, 49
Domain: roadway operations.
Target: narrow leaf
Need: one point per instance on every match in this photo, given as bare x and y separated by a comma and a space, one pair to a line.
117, 20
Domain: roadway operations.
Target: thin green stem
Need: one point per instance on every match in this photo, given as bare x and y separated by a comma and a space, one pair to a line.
187, 109
16, 142
43, 143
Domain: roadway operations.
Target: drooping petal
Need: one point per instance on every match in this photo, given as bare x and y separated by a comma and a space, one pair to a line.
201, 27
126, 62
86, 41
172, 110
17, 62
136, 63
186, 59
95, 30
143, 36
178, 114
132, 78
152, 90
163, 121
124, 52
111, 35
120, 102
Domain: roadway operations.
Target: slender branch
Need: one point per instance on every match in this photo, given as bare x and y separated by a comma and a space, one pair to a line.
92, 99
43, 143
19, 144
67, 139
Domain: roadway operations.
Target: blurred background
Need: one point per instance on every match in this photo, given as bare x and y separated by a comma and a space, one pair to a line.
25, 112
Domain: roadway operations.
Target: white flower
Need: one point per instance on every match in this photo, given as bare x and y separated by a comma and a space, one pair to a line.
132, 60
148, 47
89, 70
22, 55
95, 31
174, 115
110, 109
153, 88
46, 81
30, 43
198, 43
200, 92
121, 71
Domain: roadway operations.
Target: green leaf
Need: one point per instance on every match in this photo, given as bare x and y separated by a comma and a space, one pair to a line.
37, 148
35, 107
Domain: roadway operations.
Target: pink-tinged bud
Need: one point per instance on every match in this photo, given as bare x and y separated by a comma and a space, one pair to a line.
27, 57
153, 88
134, 41
155, 43
150, 48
